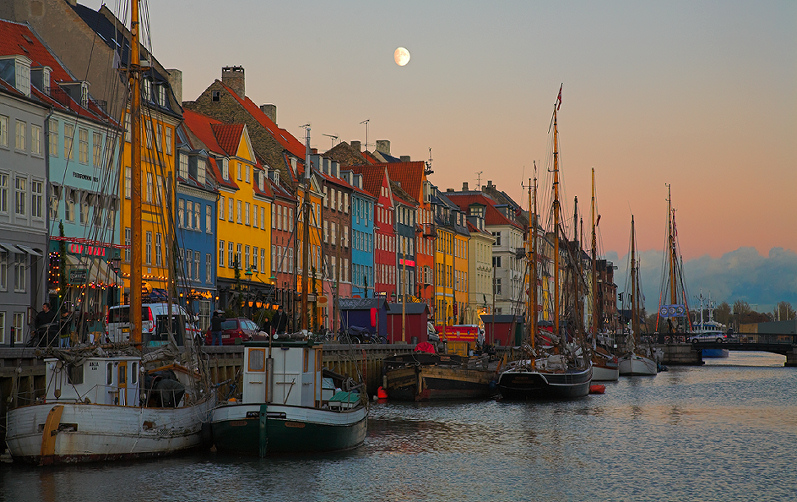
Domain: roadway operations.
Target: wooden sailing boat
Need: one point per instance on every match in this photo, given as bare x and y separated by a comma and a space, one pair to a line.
637, 360
566, 373
115, 402
287, 405
605, 366
676, 313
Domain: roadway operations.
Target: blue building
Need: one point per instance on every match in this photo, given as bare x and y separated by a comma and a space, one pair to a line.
195, 221
362, 237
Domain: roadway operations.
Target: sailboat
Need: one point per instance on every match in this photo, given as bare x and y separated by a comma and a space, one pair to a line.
116, 401
287, 404
605, 365
566, 373
636, 360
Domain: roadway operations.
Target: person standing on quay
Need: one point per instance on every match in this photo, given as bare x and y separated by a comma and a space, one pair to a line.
215, 328
280, 321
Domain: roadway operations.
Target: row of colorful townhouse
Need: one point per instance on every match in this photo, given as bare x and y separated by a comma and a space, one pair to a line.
223, 188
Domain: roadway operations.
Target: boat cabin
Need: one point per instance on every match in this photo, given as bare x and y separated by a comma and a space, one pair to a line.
286, 372
100, 380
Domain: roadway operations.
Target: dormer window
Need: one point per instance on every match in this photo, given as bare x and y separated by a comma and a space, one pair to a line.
183, 165
225, 169
162, 95
40, 78
147, 89
200, 171
84, 94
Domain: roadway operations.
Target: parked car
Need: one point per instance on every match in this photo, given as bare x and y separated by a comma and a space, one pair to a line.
154, 320
235, 330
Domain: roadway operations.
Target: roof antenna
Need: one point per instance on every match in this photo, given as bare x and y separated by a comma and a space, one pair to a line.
479, 180
428, 170
366, 132
333, 138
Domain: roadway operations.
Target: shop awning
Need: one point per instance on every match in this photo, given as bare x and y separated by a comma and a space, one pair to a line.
29, 250
98, 270
10, 248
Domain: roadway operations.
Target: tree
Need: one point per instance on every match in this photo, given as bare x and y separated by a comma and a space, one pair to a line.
722, 314
784, 312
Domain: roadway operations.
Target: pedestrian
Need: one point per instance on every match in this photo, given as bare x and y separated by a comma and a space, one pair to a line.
266, 328
280, 321
44, 319
215, 328
65, 330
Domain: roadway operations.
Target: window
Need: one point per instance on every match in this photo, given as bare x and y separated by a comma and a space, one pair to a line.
186, 262
239, 171
84, 208
148, 249
19, 326
279, 217
246, 215
158, 141
20, 267
197, 216
225, 169
263, 259
221, 253
215, 95
149, 132
162, 95
231, 209
197, 260
201, 171
497, 287
189, 209
52, 133
208, 268
20, 206
128, 240
248, 177
254, 216
149, 187
35, 140
97, 144
263, 218
158, 250
3, 271
230, 255
181, 213
209, 219
20, 137
69, 204
128, 182
238, 252
239, 205
4, 130
128, 128
36, 199
168, 132
83, 146
326, 197
183, 165
69, 137
55, 199
4, 193
221, 208
246, 258
497, 236
159, 189
2, 327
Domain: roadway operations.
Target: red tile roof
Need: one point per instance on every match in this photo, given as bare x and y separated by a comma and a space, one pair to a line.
201, 126
228, 136
373, 179
492, 215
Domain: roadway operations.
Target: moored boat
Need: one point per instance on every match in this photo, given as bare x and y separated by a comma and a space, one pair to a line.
421, 376
605, 366
285, 406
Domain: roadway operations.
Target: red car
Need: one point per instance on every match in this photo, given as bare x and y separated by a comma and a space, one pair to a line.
235, 330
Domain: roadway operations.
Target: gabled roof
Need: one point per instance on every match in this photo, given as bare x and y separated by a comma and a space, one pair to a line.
286, 139
346, 155
373, 178
492, 216
228, 136
201, 127
401, 195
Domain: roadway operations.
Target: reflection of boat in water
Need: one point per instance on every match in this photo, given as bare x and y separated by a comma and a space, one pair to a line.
422, 376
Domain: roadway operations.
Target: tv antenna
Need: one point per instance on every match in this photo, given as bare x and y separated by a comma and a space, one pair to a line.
429, 163
479, 180
366, 132
334, 137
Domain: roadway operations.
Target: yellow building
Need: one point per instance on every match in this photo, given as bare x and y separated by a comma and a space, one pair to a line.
243, 231
444, 276
461, 272
317, 304
157, 188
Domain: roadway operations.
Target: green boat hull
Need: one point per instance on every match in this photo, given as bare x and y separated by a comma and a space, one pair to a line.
264, 430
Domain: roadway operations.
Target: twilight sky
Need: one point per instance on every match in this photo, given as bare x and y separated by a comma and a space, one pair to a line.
698, 94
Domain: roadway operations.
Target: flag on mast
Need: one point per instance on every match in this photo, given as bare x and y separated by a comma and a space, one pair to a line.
559, 99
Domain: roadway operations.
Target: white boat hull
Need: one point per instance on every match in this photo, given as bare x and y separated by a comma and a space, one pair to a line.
95, 432
605, 373
636, 365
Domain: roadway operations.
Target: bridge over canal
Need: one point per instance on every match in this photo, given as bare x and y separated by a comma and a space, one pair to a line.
681, 349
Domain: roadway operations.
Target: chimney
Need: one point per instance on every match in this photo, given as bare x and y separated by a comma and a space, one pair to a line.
356, 145
176, 83
464, 186
270, 111
383, 146
449, 190
405, 158
233, 77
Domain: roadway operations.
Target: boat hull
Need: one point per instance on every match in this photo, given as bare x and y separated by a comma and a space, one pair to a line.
271, 429
428, 377
605, 373
636, 365
65, 433
712, 353
528, 384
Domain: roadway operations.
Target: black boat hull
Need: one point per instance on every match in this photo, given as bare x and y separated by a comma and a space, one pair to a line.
519, 384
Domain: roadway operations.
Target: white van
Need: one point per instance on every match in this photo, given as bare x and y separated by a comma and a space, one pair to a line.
154, 321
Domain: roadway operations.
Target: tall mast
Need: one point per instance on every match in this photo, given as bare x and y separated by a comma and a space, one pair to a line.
306, 232
671, 243
555, 225
135, 181
594, 264
532, 257
634, 313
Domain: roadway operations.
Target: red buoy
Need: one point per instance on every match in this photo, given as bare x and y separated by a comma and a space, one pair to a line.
597, 389
381, 393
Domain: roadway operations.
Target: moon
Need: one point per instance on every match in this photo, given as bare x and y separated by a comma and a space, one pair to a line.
402, 56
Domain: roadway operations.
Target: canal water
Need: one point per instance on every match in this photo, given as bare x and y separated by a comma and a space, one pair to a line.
723, 431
